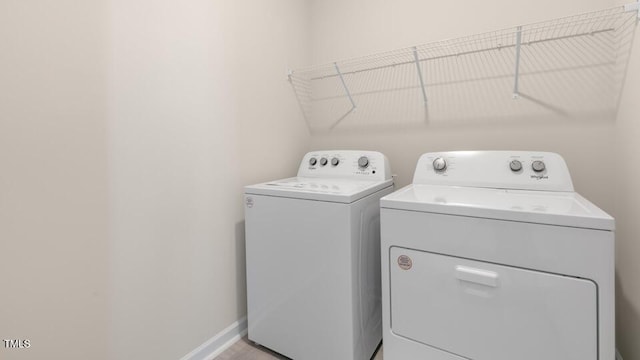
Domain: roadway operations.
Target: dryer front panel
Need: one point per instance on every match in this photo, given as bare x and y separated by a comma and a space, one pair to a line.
485, 311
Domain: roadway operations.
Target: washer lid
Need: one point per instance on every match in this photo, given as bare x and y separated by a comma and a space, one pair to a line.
541, 207
321, 189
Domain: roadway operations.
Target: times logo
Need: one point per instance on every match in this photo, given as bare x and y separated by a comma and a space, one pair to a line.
17, 344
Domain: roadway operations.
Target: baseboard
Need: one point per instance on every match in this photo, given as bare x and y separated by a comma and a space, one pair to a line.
229, 336
220, 342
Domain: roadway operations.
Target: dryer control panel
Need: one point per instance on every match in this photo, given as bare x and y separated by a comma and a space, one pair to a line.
524, 170
353, 164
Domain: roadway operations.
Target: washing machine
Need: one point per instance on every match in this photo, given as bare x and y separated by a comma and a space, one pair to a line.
313, 257
492, 255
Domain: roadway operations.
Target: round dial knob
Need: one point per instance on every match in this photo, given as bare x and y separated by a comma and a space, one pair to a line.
515, 165
335, 161
313, 161
538, 166
439, 164
323, 161
363, 162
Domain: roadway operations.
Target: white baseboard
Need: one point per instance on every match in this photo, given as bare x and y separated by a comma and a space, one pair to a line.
229, 336
220, 342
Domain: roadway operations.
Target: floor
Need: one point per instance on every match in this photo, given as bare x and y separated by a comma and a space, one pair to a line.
245, 350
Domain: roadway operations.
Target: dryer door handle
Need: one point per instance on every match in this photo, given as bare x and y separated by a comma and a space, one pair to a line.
478, 276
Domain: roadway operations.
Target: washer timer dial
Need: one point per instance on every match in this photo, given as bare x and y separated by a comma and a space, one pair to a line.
439, 164
515, 165
363, 162
538, 166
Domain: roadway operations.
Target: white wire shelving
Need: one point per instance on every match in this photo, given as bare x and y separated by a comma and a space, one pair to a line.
567, 66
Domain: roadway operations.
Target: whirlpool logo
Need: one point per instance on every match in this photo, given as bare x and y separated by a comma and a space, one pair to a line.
539, 177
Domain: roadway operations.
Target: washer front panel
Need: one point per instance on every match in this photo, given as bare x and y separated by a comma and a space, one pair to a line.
569, 251
485, 311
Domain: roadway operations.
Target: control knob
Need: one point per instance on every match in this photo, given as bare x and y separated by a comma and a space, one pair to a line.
515, 165
313, 161
323, 161
538, 166
363, 162
439, 164
335, 161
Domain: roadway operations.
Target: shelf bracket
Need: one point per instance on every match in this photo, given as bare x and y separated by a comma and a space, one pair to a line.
417, 59
516, 91
344, 84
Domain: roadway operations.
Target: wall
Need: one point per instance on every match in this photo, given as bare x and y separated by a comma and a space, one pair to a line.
127, 131
627, 211
198, 108
53, 181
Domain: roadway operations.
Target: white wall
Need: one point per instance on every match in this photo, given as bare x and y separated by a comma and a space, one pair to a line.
127, 130
627, 211
345, 29
199, 107
53, 182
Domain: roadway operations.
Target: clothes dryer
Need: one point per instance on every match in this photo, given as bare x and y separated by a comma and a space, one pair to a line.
492, 255
313, 257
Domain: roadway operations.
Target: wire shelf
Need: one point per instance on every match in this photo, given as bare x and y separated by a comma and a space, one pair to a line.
570, 67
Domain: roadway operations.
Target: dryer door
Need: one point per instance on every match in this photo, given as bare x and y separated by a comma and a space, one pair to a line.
485, 311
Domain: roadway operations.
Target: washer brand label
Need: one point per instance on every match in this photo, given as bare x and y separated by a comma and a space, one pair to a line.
249, 202
405, 262
539, 177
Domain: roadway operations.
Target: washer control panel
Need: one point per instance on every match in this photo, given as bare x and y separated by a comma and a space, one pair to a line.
525, 170
365, 165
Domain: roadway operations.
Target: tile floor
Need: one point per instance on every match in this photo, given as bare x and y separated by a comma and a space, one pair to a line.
245, 350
